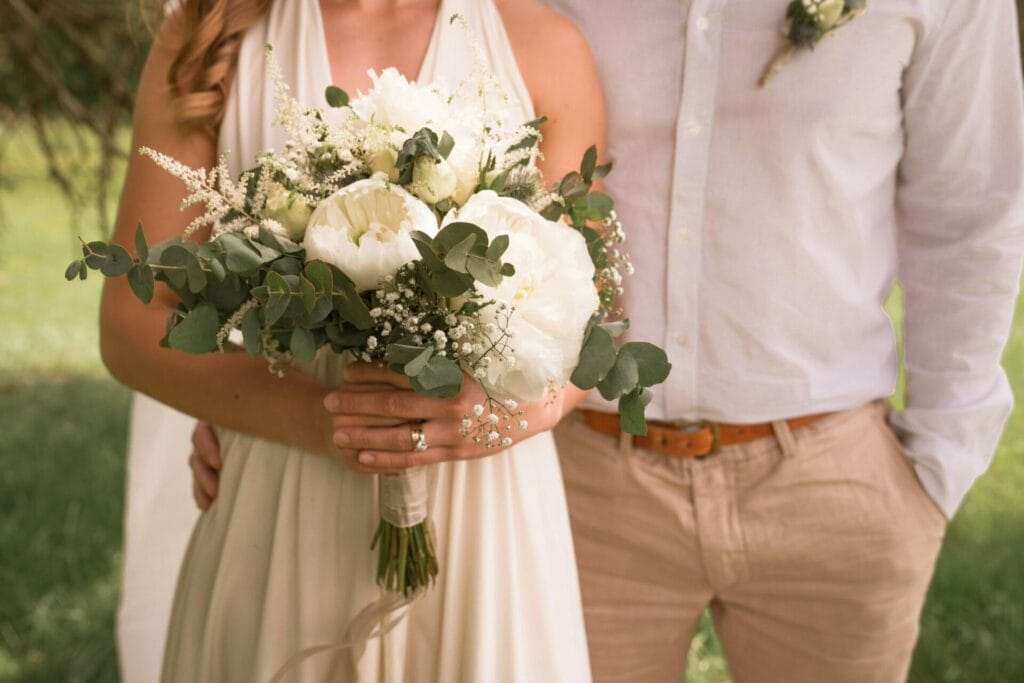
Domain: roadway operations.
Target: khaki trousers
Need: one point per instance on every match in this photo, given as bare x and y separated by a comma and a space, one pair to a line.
814, 549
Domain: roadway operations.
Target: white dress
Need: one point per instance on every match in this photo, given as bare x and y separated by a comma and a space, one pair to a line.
282, 561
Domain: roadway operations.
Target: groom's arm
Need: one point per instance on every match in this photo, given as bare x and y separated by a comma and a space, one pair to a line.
961, 235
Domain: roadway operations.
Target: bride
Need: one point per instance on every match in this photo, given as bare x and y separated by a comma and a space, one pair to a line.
282, 561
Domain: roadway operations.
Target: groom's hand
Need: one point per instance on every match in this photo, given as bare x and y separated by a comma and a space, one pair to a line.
205, 463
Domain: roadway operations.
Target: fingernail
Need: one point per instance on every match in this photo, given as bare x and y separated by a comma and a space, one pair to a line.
342, 439
331, 402
367, 459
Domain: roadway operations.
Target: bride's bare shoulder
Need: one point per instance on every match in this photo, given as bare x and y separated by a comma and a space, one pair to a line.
540, 35
562, 78
551, 51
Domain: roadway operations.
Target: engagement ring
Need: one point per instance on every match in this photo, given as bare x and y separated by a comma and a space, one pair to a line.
419, 440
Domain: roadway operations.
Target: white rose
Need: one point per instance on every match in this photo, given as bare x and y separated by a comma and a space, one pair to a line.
363, 229
552, 294
433, 181
289, 209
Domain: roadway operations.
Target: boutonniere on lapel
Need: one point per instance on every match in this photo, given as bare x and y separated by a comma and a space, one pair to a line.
809, 22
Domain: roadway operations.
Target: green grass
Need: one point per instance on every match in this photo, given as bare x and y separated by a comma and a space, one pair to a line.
64, 430
61, 482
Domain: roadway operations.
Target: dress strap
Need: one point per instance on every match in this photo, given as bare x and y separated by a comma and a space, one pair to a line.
450, 55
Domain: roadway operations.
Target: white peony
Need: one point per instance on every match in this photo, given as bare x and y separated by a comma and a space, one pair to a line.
363, 229
289, 209
394, 102
552, 294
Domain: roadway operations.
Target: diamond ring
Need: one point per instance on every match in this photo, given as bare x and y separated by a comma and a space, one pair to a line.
419, 440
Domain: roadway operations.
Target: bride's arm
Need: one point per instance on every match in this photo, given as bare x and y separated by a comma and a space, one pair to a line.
228, 389
562, 79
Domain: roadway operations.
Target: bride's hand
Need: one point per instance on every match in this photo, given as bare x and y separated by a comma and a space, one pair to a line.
388, 448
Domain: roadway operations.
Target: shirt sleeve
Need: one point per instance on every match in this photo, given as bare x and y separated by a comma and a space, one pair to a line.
960, 206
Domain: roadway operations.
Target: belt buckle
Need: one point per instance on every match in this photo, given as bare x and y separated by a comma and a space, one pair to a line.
699, 425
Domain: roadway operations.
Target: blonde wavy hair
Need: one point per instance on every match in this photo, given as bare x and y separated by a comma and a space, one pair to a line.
207, 37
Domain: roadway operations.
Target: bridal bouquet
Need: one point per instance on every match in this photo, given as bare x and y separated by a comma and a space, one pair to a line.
407, 227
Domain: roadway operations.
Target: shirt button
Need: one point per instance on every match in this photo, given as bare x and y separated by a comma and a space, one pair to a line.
693, 127
703, 23
684, 235
682, 340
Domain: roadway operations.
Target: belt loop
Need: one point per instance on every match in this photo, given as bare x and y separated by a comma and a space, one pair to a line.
784, 435
625, 443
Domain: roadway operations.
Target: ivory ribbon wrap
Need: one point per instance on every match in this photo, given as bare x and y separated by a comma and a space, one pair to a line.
405, 497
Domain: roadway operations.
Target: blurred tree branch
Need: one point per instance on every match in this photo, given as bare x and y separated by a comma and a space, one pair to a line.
67, 74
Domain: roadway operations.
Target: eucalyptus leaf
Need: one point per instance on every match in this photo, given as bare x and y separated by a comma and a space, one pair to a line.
589, 163
140, 279
336, 97
197, 332
350, 305
457, 255
596, 358
573, 185
252, 332
455, 232
95, 254
652, 363
319, 273
552, 211
141, 248
308, 292
196, 275
302, 345
621, 379
497, 247
601, 203
419, 363
631, 411
402, 354
484, 271
239, 256
441, 378
280, 297
73, 269
175, 257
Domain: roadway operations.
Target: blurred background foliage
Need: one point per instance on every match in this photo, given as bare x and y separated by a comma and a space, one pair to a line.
67, 73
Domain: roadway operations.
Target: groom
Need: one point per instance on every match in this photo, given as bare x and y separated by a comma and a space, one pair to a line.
767, 226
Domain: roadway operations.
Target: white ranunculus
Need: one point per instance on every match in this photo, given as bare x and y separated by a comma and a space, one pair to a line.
383, 161
552, 294
289, 209
432, 180
465, 161
363, 229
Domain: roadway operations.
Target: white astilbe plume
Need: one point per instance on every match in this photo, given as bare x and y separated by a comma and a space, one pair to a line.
214, 189
289, 114
482, 94
234, 321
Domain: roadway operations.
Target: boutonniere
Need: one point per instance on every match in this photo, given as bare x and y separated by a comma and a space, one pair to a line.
809, 22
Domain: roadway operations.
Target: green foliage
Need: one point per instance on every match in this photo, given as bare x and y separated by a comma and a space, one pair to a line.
336, 97
424, 143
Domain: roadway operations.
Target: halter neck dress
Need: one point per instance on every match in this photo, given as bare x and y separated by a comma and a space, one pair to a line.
282, 560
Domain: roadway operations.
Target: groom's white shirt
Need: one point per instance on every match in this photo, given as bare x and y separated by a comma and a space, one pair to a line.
768, 225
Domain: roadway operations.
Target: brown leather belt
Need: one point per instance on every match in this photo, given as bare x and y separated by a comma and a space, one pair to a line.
691, 439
